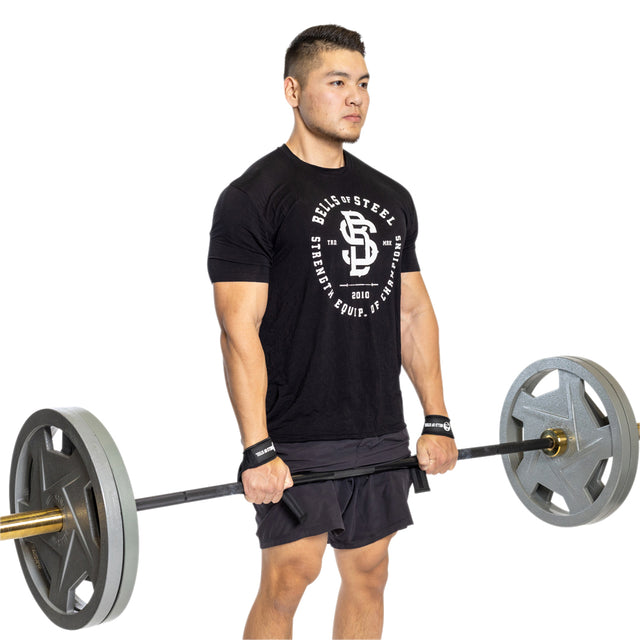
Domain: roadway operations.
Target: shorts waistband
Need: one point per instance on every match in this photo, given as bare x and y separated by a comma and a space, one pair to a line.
332, 455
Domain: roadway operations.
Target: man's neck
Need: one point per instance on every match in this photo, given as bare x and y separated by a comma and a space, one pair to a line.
321, 153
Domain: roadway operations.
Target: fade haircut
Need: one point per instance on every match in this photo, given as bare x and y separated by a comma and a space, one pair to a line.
304, 52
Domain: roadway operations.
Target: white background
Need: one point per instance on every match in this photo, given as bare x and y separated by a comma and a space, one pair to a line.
514, 125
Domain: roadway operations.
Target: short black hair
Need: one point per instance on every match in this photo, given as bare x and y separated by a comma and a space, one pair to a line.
305, 47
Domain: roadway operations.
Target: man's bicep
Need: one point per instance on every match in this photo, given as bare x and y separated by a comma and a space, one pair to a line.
240, 303
414, 297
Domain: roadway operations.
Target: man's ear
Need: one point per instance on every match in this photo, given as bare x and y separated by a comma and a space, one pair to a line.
292, 91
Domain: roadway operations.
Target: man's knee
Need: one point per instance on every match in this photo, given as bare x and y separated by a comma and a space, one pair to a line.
366, 568
373, 575
285, 576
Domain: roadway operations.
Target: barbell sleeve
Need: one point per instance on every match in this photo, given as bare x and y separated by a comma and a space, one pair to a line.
30, 523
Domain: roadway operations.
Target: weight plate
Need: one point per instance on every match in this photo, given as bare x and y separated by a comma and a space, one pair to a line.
84, 574
593, 477
615, 388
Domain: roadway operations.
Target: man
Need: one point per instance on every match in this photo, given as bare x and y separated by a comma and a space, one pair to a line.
320, 300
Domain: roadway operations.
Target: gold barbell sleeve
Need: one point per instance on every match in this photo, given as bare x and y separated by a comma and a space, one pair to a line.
30, 523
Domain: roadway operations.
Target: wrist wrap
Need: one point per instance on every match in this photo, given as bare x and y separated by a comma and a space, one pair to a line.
257, 454
437, 426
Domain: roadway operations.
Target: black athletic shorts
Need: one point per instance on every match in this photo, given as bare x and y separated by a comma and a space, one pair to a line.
354, 511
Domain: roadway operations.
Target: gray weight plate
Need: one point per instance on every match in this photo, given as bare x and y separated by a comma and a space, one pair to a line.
593, 477
614, 388
85, 574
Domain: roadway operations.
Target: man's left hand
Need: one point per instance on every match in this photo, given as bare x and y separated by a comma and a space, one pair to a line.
436, 454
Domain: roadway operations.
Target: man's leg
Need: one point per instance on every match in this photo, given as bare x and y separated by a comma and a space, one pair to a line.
360, 608
287, 570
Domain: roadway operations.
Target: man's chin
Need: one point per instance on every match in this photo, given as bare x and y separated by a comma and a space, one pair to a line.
341, 136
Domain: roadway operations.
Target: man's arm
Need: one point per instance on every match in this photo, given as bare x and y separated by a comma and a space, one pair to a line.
240, 307
421, 360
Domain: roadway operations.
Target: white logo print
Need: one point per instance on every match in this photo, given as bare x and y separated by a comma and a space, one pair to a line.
355, 229
357, 274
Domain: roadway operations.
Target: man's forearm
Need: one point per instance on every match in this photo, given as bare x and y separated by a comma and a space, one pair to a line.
421, 359
246, 377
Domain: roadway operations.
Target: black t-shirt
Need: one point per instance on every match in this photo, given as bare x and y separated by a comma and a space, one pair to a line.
331, 243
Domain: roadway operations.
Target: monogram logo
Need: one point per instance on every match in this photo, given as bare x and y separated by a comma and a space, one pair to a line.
357, 274
363, 251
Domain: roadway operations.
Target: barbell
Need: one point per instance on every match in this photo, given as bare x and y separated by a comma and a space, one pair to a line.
570, 450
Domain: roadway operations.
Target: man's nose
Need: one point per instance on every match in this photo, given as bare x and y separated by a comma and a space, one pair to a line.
354, 97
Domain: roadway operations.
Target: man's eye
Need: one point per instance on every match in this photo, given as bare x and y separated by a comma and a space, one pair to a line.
337, 83
364, 85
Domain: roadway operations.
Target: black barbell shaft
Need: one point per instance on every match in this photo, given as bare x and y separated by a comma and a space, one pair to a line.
235, 488
505, 448
22, 525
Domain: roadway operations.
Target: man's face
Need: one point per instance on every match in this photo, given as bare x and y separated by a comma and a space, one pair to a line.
334, 101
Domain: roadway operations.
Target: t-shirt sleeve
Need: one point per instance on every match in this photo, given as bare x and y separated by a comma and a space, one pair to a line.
409, 256
239, 248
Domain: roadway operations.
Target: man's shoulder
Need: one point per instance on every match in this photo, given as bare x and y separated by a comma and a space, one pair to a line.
266, 171
382, 179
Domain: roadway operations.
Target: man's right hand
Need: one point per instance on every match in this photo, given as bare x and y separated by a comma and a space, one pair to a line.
266, 483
